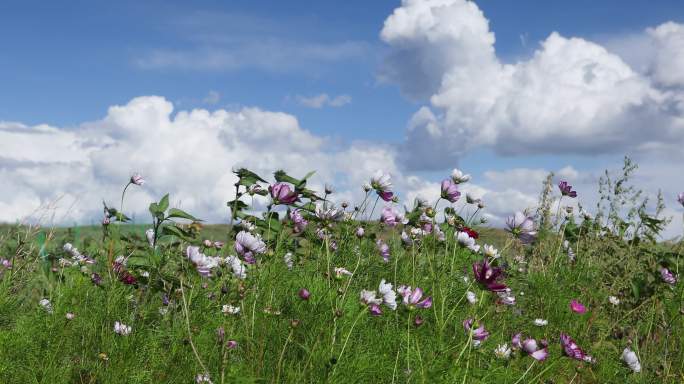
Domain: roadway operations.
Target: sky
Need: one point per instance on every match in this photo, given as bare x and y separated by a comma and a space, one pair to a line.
185, 91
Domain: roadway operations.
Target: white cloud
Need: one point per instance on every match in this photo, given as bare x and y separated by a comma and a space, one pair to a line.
213, 97
571, 96
323, 100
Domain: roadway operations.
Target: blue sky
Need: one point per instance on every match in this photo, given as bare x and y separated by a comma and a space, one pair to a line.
66, 63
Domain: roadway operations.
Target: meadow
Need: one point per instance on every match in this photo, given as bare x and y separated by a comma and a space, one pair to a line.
309, 289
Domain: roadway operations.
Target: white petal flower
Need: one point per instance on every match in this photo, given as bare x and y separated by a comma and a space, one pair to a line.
458, 177
287, 258
613, 300
471, 297
122, 329
540, 322
502, 351
230, 310
389, 297
631, 359
490, 251
47, 306
239, 269
369, 297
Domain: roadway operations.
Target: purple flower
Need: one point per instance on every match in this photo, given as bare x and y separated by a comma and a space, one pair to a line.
282, 194
299, 222
531, 347
381, 183
232, 344
680, 198
479, 334
391, 217
304, 294
137, 179
573, 350
450, 191
375, 310
522, 227
248, 245
577, 307
220, 334
412, 297
489, 276
96, 279
566, 189
668, 276
359, 232
384, 250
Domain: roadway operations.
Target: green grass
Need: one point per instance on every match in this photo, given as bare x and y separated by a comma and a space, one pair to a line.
335, 339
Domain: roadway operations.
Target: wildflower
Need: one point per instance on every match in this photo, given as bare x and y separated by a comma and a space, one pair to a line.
287, 258
540, 322
459, 177
450, 191
282, 194
566, 189
466, 240
137, 179
531, 347
577, 307
239, 270
106, 221
389, 297
248, 226
573, 350
502, 351
207, 243
103, 356
439, 234
256, 189
367, 187
299, 222
489, 276
412, 297
70, 316
613, 300
568, 249
418, 321
680, 198
369, 297
391, 217
384, 250
304, 294
218, 244
631, 359
375, 310
381, 183
479, 334
522, 227
96, 279
46, 304
506, 297
202, 378
359, 232
220, 334
668, 276
202, 262
490, 251
470, 199
248, 245
150, 237
329, 213
471, 297
7, 264
341, 272
232, 344
122, 329
228, 309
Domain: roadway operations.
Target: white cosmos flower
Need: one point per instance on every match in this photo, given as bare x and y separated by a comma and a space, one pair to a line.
631, 359
203, 378
613, 300
471, 297
389, 297
230, 310
369, 297
202, 262
458, 177
381, 181
150, 236
287, 258
122, 329
490, 251
502, 351
47, 306
340, 271
239, 269
540, 322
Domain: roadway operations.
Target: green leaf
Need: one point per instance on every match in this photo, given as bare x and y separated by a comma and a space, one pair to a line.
283, 177
179, 213
236, 207
154, 209
172, 230
247, 177
164, 203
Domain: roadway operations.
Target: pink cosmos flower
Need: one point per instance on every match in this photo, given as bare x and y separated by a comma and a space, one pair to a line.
299, 222
489, 276
412, 297
450, 191
479, 334
282, 194
566, 189
538, 351
573, 350
384, 250
668, 276
304, 294
522, 227
577, 307
391, 217
248, 245
137, 179
381, 183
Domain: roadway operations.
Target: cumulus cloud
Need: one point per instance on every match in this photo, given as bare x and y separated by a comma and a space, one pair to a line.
571, 96
323, 100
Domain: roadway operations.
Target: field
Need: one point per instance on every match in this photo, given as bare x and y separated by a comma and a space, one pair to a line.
265, 299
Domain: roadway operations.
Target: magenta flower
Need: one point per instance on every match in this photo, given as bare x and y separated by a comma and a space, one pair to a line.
391, 217
566, 189
304, 294
412, 297
479, 334
450, 191
384, 250
522, 227
489, 276
577, 307
232, 344
538, 351
375, 310
668, 276
573, 350
282, 194
299, 222
248, 245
